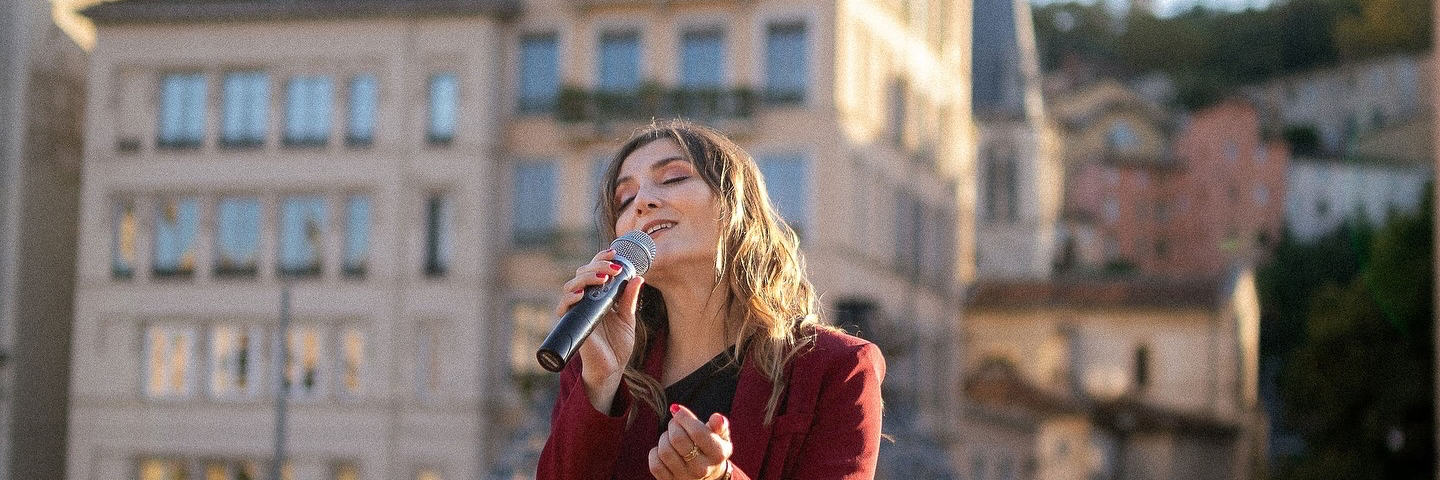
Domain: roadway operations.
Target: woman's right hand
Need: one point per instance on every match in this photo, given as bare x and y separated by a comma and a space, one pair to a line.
607, 350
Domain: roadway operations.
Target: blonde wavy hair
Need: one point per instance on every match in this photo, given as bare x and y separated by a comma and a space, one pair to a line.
758, 262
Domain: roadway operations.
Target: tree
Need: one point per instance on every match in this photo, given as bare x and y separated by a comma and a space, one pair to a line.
1384, 27
1358, 388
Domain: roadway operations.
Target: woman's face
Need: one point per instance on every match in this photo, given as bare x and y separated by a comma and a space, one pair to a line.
659, 192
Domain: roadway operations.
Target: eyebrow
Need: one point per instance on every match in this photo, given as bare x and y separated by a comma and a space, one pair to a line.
657, 166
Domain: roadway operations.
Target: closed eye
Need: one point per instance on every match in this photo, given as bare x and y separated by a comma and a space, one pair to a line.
675, 180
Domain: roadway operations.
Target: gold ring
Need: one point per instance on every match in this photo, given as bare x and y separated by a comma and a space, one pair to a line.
694, 452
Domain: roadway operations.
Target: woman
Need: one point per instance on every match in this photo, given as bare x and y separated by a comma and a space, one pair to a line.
713, 365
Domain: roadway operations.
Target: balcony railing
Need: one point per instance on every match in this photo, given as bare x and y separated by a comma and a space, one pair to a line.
577, 105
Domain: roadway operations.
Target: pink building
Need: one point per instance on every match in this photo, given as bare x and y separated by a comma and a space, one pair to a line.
1211, 196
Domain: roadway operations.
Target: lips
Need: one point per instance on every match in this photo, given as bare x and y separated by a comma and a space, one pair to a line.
658, 226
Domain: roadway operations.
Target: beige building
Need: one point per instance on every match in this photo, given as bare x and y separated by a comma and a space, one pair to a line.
1126, 379
858, 113
350, 149
423, 173
41, 99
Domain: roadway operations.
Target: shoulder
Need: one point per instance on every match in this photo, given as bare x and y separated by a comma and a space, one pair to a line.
833, 350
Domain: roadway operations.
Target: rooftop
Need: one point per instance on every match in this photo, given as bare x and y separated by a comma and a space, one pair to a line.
1086, 292
171, 11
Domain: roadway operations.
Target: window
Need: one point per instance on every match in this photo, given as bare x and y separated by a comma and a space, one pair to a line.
364, 103
245, 110
1121, 138
302, 364
307, 110
357, 236
787, 180
176, 223
787, 62
619, 62
1001, 196
1112, 210
539, 72
352, 362
1261, 195
438, 231
234, 470
169, 350
237, 236
856, 316
163, 469
533, 209
302, 235
234, 369
182, 110
1142, 367
122, 239
444, 101
897, 117
702, 59
909, 224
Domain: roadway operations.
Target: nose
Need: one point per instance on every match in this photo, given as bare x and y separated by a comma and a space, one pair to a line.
645, 200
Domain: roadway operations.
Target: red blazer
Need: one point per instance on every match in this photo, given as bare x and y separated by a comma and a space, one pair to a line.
828, 426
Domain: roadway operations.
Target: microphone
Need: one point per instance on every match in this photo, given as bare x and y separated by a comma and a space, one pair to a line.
634, 252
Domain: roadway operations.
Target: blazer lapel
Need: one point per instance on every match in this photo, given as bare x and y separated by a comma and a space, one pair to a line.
748, 431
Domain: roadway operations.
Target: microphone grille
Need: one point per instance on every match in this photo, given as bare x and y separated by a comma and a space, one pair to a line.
638, 248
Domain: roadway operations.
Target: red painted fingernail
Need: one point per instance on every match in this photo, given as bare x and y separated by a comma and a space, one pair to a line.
615, 266
578, 290
600, 275
674, 408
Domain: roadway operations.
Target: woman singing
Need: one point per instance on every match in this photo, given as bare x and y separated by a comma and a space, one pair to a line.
713, 365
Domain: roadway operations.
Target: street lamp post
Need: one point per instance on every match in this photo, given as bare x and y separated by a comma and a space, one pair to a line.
282, 392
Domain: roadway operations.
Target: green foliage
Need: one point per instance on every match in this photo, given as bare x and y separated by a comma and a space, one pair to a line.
1358, 384
1209, 52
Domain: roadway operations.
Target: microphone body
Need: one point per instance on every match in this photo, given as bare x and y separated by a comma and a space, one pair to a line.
633, 252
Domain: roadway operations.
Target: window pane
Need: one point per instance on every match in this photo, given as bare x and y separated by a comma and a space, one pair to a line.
533, 213
245, 109
787, 180
364, 100
307, 110
352, 358
237, 236
438, 225
176, 223
122, 239
787, 55
302, 235
428, 379
233, 365
163, 469
619, 61
302, 368
182, 110
539, 72
444, 96
702, 59
169, 350
357, 235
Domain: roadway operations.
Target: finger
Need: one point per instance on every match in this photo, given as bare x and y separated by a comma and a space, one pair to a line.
658, 468
630, 297
699, 433
680, 440
671, 457
606, 254
720, 425
568, 300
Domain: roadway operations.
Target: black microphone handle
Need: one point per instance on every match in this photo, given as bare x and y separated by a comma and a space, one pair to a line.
565, 339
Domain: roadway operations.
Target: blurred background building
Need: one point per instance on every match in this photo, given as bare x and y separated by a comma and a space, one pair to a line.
42, 90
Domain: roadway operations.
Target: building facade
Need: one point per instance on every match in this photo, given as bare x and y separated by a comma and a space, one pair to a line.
1339, 105
1136, 378
422, 175
348, 157
1189, 199
1020, 177
41, 99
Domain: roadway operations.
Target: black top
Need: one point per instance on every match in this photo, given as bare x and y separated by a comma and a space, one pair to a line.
709, 389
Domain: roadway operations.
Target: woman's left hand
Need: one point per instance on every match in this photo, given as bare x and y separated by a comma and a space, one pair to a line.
691, 449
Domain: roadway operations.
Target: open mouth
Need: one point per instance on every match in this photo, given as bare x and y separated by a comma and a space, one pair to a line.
658, 227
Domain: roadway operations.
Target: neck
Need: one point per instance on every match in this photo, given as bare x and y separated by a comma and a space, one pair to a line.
695, 307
